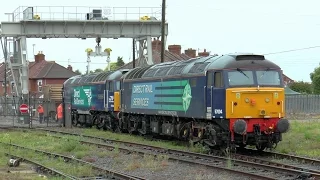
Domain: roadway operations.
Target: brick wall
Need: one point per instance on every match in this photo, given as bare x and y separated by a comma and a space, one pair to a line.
2, 90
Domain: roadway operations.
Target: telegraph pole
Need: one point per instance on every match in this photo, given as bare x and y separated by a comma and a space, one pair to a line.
163, 29
33, 45
5, 54
133, 53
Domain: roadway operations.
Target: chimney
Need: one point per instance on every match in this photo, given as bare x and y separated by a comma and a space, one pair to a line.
156, 45
204, 53
39, 57
69, 67
176, 49
190, 52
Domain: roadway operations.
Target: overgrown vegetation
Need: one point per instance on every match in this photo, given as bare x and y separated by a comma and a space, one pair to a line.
303, 139
308, 88
132, 138
302, 87
36, 140
69, 145
315, 78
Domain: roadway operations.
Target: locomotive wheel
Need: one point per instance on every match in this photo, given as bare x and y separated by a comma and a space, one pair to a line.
100, 124
144, 126
261, 147
74, 120
242, 146
184, 133
107, 123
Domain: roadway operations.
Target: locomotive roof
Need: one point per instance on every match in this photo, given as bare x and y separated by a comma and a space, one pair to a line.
95, 77
200, 65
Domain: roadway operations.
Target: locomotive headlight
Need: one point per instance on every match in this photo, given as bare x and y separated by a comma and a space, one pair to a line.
262, 112
267, 100
247, 100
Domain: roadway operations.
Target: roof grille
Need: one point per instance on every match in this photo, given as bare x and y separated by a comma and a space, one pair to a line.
250, 57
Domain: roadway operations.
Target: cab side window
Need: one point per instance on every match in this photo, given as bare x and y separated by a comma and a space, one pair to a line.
218, 80
209, 79
111, 86
117, 86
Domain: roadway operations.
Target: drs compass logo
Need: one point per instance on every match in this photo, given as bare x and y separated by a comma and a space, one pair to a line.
167, 95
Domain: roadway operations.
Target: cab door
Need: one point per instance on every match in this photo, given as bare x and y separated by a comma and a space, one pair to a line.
110, 95
208, 95
218, 95
106, 93
122, 99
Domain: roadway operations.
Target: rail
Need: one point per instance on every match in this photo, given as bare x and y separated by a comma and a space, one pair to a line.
217, 162
80, 13
254, 167
59, 173
283, 156
113, 174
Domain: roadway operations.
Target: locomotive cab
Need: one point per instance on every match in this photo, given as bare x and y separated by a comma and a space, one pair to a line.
255, 102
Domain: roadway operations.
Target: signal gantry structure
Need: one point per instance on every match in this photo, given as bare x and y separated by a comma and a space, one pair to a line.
45, 22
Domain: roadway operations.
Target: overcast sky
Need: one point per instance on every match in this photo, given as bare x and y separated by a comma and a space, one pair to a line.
220, 26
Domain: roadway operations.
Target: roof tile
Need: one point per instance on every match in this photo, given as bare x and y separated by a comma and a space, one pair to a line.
43, 69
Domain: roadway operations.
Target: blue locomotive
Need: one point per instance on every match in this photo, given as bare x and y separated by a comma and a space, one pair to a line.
234, 99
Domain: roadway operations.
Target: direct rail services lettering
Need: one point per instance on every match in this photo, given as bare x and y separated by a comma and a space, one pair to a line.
140, 89
141, 102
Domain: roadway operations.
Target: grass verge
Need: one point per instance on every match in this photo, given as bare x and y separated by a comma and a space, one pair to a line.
36, 140
137, 139
302, 139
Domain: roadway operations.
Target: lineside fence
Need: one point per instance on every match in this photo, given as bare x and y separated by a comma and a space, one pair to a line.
10, 114
309, 104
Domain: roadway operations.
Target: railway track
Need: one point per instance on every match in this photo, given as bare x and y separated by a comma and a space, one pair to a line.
251, 167
282, 156
42, 167
108, 174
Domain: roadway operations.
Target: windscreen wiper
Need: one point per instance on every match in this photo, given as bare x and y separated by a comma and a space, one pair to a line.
238, 69
264, 72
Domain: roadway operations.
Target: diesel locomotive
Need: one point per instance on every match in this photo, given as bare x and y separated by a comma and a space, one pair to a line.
230, 100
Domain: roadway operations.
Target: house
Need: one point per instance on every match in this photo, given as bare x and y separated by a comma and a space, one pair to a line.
41, 72
287, 80
174, 54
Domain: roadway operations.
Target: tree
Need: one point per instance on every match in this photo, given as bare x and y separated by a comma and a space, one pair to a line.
120, 61
315, 78
78, 72
113, 67
301, 87
98, 70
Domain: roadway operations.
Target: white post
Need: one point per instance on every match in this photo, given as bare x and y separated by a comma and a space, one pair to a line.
108, 61
149, 49
88, 64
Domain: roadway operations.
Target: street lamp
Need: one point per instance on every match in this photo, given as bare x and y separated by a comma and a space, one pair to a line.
98, 52
108, 51
88, 51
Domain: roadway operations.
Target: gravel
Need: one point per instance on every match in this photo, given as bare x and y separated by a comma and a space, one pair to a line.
155, 169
